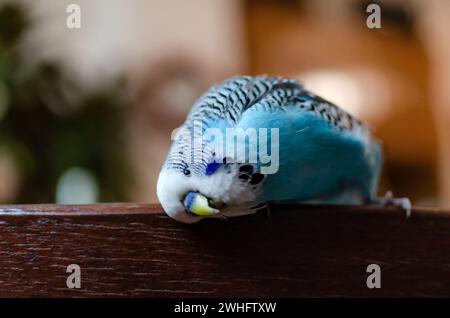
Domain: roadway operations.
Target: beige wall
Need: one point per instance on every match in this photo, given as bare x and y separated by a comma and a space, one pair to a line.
435, 31
119, 34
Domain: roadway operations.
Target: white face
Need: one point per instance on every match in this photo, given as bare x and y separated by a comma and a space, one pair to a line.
222, 187
171, 189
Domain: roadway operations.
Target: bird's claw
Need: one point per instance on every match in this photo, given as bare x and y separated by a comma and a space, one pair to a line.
403, 203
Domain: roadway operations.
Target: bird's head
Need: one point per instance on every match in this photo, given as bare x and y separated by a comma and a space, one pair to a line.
190, 197
199, 181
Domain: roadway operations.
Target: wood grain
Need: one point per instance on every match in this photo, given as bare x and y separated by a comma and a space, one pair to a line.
134, 250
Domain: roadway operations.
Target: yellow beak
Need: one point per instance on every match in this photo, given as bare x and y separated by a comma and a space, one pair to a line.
198, 204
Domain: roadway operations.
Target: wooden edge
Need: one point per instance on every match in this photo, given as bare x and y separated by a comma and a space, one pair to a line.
156, 209
134, 250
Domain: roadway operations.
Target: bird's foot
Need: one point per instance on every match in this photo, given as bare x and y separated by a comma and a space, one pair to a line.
389, 200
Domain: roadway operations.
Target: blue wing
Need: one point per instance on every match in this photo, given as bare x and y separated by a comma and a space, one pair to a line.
317, 162
325, 155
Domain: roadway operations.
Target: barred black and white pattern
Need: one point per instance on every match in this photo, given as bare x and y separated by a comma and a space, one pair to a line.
229, 100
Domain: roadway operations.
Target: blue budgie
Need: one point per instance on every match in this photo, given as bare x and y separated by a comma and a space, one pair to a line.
252, 141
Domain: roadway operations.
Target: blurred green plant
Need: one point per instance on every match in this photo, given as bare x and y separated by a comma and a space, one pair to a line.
48, 124
13, 23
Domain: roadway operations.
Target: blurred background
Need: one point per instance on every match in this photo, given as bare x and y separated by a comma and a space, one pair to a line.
86, 113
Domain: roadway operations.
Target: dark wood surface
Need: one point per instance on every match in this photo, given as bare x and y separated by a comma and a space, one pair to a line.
134, 250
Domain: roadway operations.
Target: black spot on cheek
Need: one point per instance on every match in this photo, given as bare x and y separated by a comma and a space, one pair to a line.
244, 177
246, 168
256, 178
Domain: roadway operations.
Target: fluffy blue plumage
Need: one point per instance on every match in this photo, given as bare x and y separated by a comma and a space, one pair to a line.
325, 155
318, 162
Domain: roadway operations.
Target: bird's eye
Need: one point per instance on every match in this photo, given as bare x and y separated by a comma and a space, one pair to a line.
187, 172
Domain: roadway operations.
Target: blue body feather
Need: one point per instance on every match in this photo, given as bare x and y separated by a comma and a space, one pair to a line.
325, 155
317, 161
